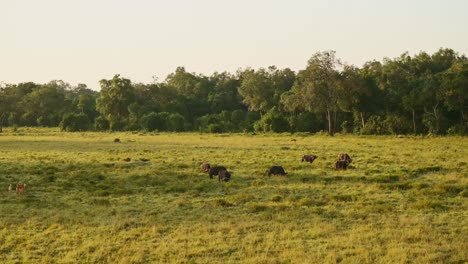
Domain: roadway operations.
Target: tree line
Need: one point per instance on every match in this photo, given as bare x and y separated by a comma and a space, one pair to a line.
420, 94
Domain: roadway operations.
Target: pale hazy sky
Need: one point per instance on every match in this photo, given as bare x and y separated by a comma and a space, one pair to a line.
83, 41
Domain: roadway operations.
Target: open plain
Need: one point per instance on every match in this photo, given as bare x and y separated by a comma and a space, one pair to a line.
90, 200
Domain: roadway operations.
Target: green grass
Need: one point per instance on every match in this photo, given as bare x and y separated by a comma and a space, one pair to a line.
403, 201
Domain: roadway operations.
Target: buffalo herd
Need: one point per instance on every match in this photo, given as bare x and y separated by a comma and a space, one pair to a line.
223, 175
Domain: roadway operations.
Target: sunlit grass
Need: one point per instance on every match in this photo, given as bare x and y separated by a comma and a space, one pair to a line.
404, 199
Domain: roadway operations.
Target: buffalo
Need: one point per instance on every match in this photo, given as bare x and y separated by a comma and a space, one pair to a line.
116, 140
276, 170
309, 158
341, 165
345, 157
215, 171
205, 167
224, 175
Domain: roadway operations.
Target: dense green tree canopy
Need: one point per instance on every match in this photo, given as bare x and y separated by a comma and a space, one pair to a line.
424, 93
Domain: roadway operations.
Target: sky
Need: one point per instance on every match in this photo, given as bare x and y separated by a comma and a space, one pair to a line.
84, 41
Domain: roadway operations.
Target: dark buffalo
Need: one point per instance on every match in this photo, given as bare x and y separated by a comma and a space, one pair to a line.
341, 165
205, 167
309, 158
276, 170
345, 157
224, 175
215, 171
116, 140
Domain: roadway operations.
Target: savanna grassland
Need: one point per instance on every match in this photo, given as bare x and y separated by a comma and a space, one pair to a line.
404, 199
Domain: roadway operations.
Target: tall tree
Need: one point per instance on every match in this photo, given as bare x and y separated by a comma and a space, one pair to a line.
317, 88
192, 93
223, 95
360, 93
115, 97
262, 89
455, 89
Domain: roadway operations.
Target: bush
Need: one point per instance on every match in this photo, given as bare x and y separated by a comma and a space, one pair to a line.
215, 128
155, 121
117, 124
101, 123
13, 119
74, 122
273, 121
457, 130
238, 120
374, 126
346, 127
176, 123
397, 125
28, 119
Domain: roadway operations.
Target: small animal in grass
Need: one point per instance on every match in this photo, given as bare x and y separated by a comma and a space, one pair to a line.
276, 170
341, 165
343, 161
10, 188
309, 158
127, 159
215, 171
116, 140
144, 159
20, 187
205, 167
224, 175
345, 157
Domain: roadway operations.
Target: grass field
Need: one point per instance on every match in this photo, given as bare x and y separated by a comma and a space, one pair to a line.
404, 199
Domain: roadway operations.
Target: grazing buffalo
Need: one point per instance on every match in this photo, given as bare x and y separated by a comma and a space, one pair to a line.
116, 140
341, 165
276, 170
224, 175
205, 167
20, 187
309, 158
345, 157
215, 171
127, 159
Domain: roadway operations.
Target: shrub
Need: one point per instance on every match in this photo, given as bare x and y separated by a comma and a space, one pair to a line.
396, 124
155, 121
457, 130
176, 122
273, 121
215, 128
101, 123
28, 119
374, 125
74, 122
13, 119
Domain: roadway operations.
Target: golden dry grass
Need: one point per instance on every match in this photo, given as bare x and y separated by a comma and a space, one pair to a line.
403, 201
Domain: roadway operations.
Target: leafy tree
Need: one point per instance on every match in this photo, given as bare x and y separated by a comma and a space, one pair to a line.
317, 88
176, 123
455, 90
75, 122
192, 92
115, 97
273, 121
156, 121
223, 94
101, 123
262, 89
